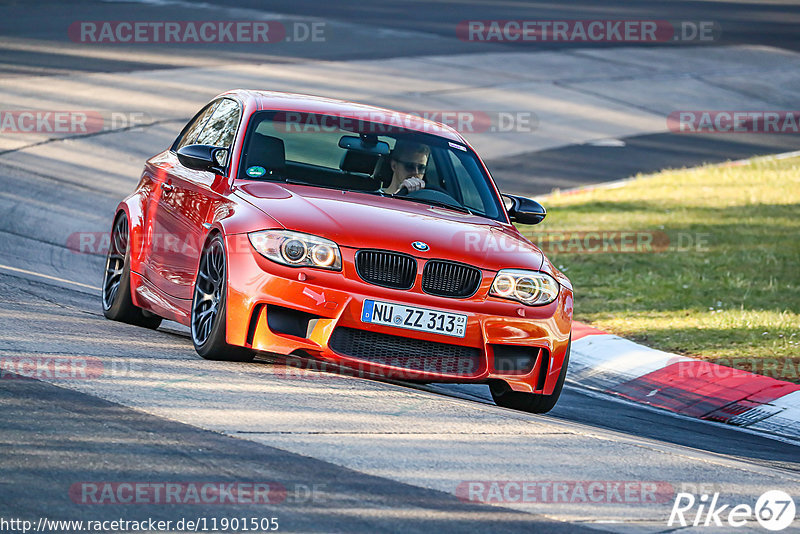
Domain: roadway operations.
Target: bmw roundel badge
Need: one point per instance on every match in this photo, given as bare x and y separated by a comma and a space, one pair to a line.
419, 245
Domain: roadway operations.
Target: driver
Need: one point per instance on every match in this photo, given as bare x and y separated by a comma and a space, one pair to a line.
408, 162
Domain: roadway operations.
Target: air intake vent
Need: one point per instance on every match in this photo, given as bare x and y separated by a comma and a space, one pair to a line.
407, 353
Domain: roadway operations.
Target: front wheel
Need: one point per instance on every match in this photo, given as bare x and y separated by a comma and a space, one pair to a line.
116, 292
504, 396
209, 307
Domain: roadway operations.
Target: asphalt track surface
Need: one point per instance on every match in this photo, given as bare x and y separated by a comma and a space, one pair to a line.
36, 45
162, 414
578, 165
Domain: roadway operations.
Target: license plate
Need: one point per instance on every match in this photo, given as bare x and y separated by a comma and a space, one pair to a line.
413, 318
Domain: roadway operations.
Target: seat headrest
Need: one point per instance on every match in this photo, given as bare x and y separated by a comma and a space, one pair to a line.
266, 151
383, 171
357, 161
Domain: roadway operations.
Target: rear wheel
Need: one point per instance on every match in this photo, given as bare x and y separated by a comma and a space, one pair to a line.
116, 292
209, 307
504, 396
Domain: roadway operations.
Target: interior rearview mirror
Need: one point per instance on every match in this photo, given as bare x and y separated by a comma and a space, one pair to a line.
364, 143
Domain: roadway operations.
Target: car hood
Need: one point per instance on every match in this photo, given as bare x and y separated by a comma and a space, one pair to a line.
362, 220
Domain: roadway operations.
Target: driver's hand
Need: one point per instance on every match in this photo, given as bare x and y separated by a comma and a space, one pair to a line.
412, 184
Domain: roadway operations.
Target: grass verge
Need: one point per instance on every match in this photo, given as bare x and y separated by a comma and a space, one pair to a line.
703, 262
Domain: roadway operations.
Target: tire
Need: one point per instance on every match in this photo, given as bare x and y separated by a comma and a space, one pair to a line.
504, 396
116, 291
209, 307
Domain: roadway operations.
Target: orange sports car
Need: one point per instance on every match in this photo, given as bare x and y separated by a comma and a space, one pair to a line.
360, 236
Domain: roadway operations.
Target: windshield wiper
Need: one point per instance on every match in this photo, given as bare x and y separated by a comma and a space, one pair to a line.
293, 181
437, 203
372, 192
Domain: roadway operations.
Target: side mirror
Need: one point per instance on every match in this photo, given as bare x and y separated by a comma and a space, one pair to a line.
204, 158
524, 210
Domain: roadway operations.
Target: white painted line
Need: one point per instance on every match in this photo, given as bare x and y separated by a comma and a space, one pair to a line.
607, 142
47, 276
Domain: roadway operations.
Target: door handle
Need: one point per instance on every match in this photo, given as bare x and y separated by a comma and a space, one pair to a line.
167, 188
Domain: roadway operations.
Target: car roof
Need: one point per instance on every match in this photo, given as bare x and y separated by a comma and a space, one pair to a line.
280, 101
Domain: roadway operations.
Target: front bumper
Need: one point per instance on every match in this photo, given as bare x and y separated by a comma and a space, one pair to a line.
324, 302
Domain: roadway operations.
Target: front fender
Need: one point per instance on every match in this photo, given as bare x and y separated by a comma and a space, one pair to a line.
137, 209
239, 217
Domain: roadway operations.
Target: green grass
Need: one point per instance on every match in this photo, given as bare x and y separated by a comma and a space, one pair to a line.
734, 299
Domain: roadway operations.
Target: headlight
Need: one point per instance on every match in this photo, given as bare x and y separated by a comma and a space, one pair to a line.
528, 287
296, 249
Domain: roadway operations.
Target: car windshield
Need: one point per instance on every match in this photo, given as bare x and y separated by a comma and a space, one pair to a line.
357, 155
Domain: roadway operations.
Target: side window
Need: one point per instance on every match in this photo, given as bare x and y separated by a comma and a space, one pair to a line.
221, 127
193, 129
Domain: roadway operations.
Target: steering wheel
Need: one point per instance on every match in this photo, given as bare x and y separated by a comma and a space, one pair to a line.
429, 194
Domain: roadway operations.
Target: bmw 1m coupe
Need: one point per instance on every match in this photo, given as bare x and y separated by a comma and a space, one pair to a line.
367, 238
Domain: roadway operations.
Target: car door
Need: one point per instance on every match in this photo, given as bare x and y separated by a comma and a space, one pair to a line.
186, 197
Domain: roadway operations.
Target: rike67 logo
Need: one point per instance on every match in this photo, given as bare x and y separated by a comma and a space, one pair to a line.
774, 510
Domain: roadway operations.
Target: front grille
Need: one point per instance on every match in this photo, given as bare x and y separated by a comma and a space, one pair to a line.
387, 269
406, 353
450, 279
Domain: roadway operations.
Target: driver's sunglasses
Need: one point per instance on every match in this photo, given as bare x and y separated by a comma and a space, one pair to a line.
413, 166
